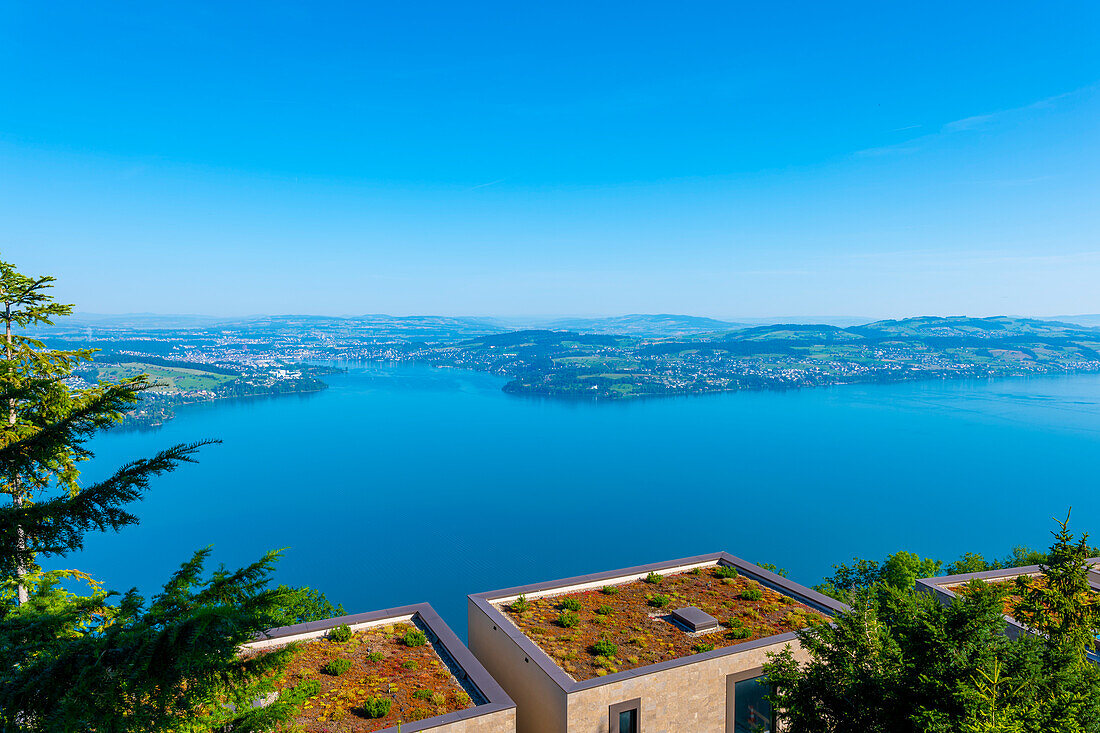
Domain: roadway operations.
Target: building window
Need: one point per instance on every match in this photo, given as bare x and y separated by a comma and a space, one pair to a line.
747, 707
626, 717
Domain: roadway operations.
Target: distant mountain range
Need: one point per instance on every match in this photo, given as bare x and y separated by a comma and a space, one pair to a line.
1090, 320
641, 325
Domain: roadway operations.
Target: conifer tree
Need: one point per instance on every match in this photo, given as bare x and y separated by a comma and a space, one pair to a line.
95, 662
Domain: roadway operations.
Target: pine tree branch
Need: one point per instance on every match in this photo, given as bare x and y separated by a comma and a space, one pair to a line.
57, 526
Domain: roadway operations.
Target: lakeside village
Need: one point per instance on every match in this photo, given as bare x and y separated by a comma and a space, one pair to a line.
185, 383
284, 355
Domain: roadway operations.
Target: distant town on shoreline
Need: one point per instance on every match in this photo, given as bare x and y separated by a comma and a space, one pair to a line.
197, 359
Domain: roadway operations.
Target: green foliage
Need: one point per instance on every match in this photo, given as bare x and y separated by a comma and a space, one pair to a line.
422, 694
376, 656
740, 632
702, 646
462, 698
410, 664
751, 594
76, 657
605, 648
609, 590
735, 623
520, 604
304, 604
849, 579
438, 698
654, 578
304, 690
571, 604
336, 667
658, 600
376, 707
340, 634
414, 637
72, 661
773, 568
976, 563
605, 610
993, 710
901, 661
902, 569
725, 571
568, 619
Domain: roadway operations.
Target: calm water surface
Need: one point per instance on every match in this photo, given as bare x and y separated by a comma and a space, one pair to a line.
402, 484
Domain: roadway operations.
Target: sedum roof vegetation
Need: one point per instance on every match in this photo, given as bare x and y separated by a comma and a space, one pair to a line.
1012, 596
389, 673
596, 632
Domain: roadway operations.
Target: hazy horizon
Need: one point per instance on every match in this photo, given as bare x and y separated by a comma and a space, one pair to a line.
536, 317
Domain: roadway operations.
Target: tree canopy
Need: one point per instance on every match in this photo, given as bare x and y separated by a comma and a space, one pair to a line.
77, 657
901, 660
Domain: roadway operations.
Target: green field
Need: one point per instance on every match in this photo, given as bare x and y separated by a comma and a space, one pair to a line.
168, 379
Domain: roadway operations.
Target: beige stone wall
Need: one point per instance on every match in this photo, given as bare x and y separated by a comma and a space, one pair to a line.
691, 697
540, 702
502, 721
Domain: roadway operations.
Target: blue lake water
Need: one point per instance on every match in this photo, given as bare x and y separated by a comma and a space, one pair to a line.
403, 483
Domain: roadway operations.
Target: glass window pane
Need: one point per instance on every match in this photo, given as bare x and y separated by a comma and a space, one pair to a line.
752, 712
628, 721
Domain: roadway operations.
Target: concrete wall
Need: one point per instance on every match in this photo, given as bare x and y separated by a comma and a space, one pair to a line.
691, 697
318, 633
540, 702
502, 721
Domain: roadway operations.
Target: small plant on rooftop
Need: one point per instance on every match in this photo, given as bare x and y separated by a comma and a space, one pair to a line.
375, 656
568, 619
340, 634
410, 664
609, 590
422, 694
462, 698
376, 707
654, 578
659, 600
336, 667
301, 692
420, 714
520, 604
571, 604
740, 633
415, 637
725, 571
702, 646
735, 623
752, 594
438, 698
604, 610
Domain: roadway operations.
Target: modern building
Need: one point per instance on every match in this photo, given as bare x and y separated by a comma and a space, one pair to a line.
947, 588
406, 658
670, 647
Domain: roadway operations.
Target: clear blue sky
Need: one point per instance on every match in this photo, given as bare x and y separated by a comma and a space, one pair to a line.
716, 158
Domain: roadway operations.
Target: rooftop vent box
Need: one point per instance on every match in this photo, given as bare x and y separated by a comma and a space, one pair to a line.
694, 619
